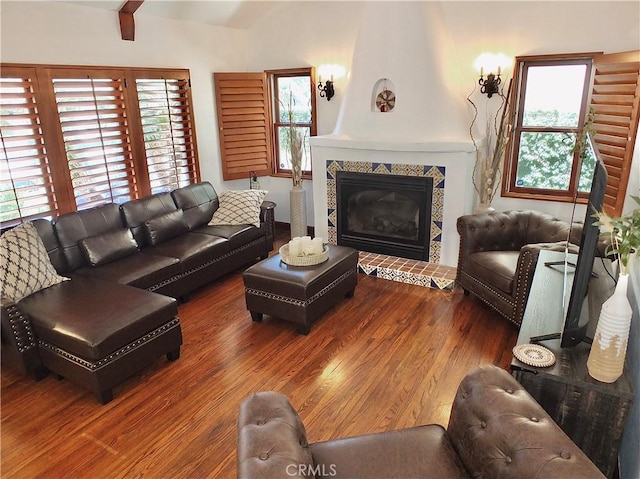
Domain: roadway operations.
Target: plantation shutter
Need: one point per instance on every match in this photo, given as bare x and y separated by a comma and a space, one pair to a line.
91, 110
168, 132
615, 99
243, 124
26, 185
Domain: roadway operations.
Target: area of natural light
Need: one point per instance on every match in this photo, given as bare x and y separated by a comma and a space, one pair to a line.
555, 88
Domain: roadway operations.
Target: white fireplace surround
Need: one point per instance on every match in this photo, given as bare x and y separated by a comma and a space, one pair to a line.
456, 158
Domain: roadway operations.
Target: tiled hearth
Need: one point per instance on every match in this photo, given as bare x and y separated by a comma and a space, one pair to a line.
409, 271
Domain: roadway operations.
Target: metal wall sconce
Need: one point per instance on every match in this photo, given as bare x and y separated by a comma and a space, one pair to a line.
327, 90
491, 85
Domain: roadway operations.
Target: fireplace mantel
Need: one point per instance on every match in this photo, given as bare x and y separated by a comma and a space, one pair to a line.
454, 159
354, 143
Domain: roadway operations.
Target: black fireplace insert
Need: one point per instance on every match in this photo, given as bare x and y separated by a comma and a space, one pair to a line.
388, 214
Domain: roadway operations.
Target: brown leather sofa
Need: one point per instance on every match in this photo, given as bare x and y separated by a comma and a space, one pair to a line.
496, 430
109, 321
499, 252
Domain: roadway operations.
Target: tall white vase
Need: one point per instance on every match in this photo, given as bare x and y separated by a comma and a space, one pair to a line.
609, 348
298, 211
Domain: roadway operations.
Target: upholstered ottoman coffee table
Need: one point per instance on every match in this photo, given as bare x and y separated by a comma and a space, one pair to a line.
300, 294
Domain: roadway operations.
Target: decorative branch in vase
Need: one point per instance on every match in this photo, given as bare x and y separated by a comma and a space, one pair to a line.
490, 151
297, 196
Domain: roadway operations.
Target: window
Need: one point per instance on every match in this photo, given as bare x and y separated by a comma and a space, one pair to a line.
77, 137
551, 107
26, 184
168, 132
91, 112
293, 107
254, 116
553, 97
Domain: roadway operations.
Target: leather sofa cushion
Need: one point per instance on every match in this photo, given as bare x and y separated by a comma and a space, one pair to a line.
108, 247
497, 268
194, 250
198, 201
237, 235
418, 452
165, 227
136, 212
139, 270
73, 227
92, 318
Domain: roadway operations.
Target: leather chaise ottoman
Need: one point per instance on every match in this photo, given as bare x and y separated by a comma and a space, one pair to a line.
97, 333
300, 294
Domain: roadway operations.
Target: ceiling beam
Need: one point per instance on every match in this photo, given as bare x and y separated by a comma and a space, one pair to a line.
127, 25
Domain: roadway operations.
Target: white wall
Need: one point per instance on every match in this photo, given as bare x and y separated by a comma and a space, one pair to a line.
313, 33
300, 34
60, 33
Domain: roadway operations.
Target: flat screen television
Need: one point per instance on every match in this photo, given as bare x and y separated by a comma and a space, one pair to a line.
578, 317
577, 321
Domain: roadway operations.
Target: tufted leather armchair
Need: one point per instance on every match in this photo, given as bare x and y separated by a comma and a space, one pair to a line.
499, 252
496, 430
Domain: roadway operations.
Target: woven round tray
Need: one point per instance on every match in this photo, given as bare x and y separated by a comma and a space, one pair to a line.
306, 260
534, 355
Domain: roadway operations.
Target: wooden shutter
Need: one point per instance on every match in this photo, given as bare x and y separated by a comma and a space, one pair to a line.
615, 99
26, 185
168, 132
91, 111
244, 121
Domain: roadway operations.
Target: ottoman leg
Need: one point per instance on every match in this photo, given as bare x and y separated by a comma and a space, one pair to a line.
257, 317
105, 396
304, 329
173, 355
350, 293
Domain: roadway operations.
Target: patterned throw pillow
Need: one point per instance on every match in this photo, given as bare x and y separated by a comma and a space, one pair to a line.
25, 266
240, 207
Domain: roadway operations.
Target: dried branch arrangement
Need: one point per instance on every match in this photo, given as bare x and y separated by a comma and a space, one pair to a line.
490, 152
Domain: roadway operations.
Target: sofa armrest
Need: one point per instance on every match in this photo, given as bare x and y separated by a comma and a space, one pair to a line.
19, 343
499, 430
272, 441
268, 220
527, 262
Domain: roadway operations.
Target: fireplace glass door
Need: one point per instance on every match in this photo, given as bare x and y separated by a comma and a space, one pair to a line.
388, 214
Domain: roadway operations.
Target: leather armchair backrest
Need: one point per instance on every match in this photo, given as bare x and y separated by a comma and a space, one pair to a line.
48, 236
499, 430
136, 212
544, 228
73, 227
198, 202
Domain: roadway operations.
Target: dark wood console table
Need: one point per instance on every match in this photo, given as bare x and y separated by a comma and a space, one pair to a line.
593, 414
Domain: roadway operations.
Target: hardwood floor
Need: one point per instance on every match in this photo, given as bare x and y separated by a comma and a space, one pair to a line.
390, 357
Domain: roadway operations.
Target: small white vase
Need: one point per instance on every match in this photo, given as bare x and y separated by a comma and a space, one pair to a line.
298, 211
483, 208
609, 348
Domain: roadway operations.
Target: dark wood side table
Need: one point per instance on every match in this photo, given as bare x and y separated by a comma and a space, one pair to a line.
593, 414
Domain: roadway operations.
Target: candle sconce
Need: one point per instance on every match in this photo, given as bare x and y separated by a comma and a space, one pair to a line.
491, 85
327, 90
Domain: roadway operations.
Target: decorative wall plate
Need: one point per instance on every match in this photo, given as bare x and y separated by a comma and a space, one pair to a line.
386, 100
534, 355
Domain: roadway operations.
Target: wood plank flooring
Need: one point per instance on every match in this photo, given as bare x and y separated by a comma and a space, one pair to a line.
390, 357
